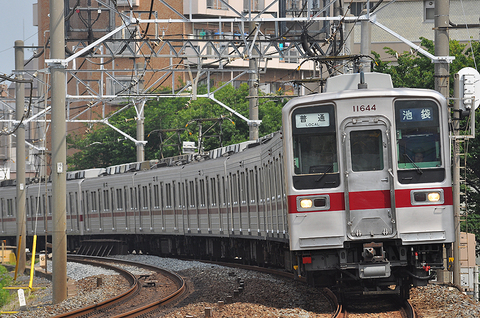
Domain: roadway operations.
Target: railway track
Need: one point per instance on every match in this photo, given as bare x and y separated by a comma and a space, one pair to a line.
139, 298
382, 307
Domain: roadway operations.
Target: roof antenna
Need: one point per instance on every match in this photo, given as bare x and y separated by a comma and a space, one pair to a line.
362, 84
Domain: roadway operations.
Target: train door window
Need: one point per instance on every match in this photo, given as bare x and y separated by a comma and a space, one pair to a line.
191, 196
27, 206
44, 205
168, 195
10, 207
181, 193
76, 211
253, 188
243, 188
50, 204
233, 178
213, 192
150, 198
119, 199
70, 203
94, 201
144, 197
224, 196
133, 198
106, 200
418, 134
202, 196
2, 206
112, 198
366, 149
156, 196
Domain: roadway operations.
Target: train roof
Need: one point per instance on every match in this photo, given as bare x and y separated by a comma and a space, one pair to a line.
154, 164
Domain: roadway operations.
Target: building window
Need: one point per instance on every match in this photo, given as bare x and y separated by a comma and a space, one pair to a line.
429, 11
356, 8
217, 4
255, 5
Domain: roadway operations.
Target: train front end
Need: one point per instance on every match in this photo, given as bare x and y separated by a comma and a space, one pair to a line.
368, 182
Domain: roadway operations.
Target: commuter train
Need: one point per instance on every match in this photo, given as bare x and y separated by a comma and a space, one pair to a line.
355, 192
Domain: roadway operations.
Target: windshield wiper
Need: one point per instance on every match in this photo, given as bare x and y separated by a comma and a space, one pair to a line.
413, 163
324, 173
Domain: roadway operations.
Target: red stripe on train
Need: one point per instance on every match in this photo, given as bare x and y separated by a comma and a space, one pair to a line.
364, 200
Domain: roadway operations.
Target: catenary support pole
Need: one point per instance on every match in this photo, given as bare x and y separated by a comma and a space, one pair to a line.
20, 154
456, 181
442, 48
253, 92
141, 132
59, 151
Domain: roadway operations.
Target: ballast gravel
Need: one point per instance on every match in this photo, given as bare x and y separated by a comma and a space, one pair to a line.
212, 288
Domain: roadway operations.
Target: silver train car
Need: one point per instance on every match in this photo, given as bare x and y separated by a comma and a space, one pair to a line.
355, 192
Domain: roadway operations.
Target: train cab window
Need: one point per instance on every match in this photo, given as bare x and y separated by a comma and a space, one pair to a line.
418, 141
366, 150
315, 162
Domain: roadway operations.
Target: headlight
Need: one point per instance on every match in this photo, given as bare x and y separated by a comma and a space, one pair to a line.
420, 197
433, 197
306, 203
313, 203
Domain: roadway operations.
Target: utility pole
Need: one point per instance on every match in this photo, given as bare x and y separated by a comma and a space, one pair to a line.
442, 83
20, 154
59, 150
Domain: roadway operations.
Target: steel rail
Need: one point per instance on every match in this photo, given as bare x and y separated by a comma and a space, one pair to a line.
135, 287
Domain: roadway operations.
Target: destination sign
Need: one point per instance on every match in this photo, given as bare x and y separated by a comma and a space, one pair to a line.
312, 120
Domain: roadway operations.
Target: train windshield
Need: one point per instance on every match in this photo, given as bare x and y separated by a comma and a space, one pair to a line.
315, 154
314, 140
418, 134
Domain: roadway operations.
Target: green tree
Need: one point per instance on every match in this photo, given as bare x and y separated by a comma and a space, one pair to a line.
103, 147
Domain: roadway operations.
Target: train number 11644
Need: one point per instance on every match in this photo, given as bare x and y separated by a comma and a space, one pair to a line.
364, 108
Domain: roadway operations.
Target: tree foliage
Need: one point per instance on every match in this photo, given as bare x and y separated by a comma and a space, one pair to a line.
170, 121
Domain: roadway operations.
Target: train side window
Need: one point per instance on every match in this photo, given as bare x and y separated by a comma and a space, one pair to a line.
366, 149
417, 134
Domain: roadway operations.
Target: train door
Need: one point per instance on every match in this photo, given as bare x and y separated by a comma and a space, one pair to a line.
369, 200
